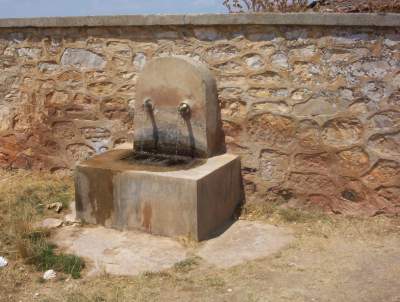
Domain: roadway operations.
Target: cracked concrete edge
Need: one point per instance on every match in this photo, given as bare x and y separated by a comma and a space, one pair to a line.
299, 19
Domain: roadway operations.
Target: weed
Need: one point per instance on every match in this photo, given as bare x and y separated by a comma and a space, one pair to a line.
266, 5
187, 264
259, 210
339, 6
37, 196
297, 215
155, 275
212, 281
23, 201
36, 250
78, 297
293, 215
47, 259
277, 212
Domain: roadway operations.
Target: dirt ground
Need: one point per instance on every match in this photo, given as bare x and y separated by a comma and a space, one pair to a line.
333, 258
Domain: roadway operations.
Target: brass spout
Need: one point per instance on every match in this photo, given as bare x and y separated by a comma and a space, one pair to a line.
184, 109
148, 105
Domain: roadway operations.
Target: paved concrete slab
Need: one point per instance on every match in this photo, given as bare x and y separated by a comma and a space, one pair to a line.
244, 241
120, 253
133, 252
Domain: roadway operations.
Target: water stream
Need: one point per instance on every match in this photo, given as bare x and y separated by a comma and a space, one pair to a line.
179, 122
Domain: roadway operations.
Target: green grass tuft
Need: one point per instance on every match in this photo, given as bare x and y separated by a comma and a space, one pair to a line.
37, 196
186, 265
46, 259
36, 250
156, 275
298, 215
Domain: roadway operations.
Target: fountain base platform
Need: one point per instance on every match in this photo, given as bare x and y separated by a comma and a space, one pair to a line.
192, 200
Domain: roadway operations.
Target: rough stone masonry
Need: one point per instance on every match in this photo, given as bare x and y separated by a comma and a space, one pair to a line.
314, 110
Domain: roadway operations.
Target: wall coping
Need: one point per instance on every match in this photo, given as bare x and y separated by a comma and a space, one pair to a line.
306, 19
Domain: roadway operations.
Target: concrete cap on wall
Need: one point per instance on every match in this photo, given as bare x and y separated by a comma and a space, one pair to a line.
316, 19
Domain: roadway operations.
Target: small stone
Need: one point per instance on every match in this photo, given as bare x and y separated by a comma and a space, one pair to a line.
49, 275
51, 223
377, 69
57, 206
280, 60
29, 53
254, 62
82, 58
342, 132
140, 60
71, 219
229, 290
3, 262
373, 91
273, 166
47, 67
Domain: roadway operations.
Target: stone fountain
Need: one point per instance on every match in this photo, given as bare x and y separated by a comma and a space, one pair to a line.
177, 180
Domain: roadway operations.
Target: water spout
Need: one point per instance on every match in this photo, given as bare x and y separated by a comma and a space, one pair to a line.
149, 110
184, 110
148, 106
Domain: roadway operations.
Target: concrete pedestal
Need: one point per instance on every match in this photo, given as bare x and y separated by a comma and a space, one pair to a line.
193, 202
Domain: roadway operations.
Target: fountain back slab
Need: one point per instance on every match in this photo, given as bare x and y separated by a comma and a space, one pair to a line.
177, 180
178, 98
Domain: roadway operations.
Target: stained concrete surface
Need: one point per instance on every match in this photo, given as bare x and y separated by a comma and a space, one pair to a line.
244, 241
131, 253
193, 202
168, 83
119, 253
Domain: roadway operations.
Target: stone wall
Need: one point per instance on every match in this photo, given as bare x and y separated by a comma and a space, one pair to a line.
313, 110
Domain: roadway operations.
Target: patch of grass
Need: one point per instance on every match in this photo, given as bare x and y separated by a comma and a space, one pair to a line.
293, 215
24, 197
46, 259
259, 210
79, 297
38, 195
156, 275
23, 201
277, 211
187, 264
36, 250
212, 281
69, 264
298, 215
29, 198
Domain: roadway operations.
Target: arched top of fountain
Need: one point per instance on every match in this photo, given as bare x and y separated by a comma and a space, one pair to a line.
177, 109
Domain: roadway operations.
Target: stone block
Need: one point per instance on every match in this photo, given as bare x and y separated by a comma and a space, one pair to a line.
165, 84
82, 58
193, 203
